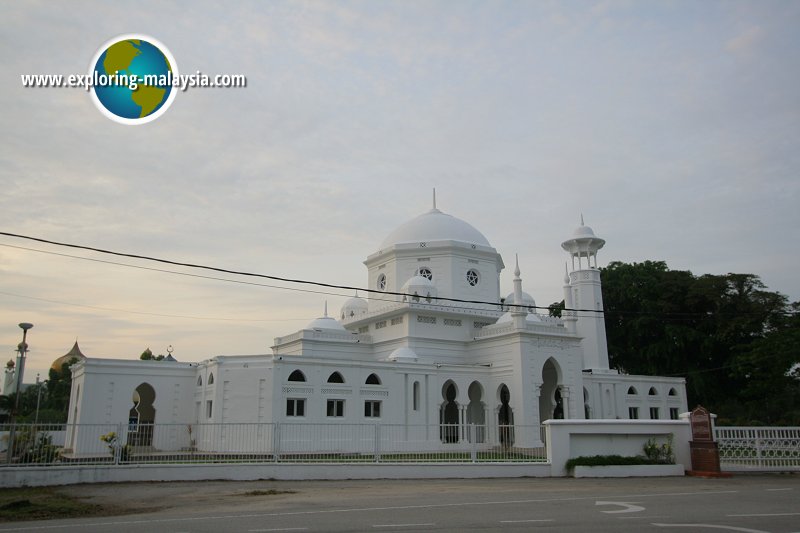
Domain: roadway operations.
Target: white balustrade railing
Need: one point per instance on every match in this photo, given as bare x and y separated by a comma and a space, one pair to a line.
108, 444
759, 448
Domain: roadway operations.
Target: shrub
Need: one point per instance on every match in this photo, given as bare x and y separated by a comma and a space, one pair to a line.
607, 460
660, 454
654, 454
112, 441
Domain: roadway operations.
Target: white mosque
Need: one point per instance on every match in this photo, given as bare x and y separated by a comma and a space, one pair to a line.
417, 352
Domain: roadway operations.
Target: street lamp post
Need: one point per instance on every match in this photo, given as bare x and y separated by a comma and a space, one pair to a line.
38, 398
22, 349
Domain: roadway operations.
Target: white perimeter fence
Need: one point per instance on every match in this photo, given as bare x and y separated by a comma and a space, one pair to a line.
759, 448
740, 448
82, 444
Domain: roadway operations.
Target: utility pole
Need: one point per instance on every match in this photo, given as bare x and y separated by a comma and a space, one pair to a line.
22, 349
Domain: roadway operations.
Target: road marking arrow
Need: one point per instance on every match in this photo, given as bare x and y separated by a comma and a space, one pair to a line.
628, 507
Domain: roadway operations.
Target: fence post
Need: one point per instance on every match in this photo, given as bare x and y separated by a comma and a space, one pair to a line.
377, 443
473, 443
759, 451
118, 445
276, 441
10, 449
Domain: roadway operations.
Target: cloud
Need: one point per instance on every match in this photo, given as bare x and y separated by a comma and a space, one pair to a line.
745, 42
523, 115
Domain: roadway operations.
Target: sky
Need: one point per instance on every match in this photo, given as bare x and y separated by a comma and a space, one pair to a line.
672, 126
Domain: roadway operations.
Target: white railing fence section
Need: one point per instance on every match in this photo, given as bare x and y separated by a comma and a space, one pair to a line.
109, 444
759, 448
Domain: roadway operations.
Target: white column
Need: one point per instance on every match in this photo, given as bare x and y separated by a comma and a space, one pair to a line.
565, 400
462, 422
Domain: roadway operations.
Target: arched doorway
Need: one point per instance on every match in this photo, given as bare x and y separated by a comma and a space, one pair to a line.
476, 412
505, 417
448, 415
558, 410
551, 404
142, 416
587, 409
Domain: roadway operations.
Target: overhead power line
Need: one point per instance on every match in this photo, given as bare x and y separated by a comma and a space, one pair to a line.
264, 276
375, 294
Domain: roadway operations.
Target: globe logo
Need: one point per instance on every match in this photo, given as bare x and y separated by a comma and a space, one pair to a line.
132, 78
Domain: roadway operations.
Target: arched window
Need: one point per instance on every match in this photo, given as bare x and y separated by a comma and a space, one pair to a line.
199, 381
373, 379
632, 390
211, 379
652, 392
336, 377
673, 392
415, 396
297, 376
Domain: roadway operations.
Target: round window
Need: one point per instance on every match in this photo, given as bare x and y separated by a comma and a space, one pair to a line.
426, 273
473, 277
382, 282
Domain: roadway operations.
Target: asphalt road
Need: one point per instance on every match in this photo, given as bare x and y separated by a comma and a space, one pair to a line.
742, 503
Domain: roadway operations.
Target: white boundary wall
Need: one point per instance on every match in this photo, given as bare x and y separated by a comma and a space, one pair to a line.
574, 438
565, 439
60, 475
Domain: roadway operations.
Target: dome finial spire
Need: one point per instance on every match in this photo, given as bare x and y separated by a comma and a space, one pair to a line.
582, 224
434, 197
326, 308
518, 311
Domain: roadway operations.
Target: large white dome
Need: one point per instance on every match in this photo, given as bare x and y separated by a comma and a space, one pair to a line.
435, 226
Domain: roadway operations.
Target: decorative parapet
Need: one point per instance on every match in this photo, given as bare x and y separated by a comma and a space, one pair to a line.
328, 390
298, 390
584, 275
323, 335
478, 310
547, 327
374, 393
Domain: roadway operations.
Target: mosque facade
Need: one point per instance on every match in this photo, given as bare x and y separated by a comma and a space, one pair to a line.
434, 344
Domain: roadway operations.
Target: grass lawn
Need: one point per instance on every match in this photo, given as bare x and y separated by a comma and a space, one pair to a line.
42, 503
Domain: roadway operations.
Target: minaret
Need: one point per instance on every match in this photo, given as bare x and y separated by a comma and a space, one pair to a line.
586, 296
518, 313
10, 378
569, 317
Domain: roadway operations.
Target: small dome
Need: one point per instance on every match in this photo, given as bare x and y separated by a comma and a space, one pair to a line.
583, 231
583, 242
326, 323
420, 286
403, 355
527, 300
435, 226
11, 364
74, 353
353, 307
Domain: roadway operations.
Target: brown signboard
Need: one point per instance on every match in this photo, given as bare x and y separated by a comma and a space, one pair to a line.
700, 419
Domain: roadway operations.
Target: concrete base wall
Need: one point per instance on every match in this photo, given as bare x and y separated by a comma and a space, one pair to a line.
629, 471
574, 438
56, 475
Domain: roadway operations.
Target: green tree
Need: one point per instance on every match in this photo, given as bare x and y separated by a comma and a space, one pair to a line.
770, 372
147, 355
555, 308
719, 331
56, 393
